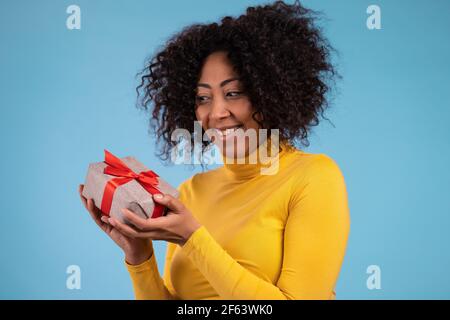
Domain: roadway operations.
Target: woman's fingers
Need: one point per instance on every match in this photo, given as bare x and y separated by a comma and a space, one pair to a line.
83, 199
90, 207
95, 214
151, 226
124, 229
106, 226
169, 201
134, 219
143, 224
100, 219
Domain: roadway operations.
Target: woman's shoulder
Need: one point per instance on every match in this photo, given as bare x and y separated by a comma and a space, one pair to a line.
300, 164
316, 165
318, 176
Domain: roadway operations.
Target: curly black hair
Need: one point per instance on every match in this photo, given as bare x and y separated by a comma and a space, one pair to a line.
278, 51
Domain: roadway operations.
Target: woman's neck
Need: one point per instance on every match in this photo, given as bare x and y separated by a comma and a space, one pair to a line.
263, 160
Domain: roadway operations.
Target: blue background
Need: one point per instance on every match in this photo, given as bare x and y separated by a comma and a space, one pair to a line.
67, 94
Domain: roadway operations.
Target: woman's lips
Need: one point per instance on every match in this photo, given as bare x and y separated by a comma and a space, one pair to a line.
228, 133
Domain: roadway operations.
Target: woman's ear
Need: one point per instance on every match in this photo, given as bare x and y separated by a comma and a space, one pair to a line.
258, 116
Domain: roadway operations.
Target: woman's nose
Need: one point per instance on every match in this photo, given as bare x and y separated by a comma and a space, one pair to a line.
219, 110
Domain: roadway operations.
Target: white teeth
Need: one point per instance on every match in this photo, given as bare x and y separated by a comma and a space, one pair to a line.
228, 131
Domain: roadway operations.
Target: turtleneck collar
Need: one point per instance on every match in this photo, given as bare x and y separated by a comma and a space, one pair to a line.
248, 170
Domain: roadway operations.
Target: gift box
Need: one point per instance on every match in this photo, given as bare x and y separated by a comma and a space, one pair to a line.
118, 183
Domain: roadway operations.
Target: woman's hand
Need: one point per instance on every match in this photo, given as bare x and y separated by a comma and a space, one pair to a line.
137, 250
176, 226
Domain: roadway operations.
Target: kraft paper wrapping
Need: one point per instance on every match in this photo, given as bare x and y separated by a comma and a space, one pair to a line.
130, 195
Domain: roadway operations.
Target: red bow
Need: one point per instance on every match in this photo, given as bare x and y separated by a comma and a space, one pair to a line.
116, 167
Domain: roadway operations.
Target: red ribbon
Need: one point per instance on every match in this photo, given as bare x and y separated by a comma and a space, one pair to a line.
116, 167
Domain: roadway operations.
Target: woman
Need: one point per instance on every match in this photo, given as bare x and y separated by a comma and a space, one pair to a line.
235, 233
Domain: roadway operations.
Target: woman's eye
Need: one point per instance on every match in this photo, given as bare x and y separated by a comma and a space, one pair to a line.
205, 99
201, 99
234, 93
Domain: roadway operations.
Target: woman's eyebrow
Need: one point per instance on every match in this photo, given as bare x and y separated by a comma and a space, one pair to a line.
224, 82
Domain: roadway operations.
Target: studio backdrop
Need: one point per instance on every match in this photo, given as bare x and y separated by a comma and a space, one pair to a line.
68, 78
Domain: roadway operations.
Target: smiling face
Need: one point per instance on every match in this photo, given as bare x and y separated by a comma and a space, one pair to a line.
221, 104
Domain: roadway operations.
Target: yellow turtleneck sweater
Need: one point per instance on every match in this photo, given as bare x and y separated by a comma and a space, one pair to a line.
279, 236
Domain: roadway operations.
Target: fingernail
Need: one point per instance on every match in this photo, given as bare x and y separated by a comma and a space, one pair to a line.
158, 196
111, 221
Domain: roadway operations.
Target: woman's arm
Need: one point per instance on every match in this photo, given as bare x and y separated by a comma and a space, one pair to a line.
315, 240
147, 282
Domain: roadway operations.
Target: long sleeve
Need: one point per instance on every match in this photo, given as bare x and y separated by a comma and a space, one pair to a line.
147, 282
315, 238
145, 277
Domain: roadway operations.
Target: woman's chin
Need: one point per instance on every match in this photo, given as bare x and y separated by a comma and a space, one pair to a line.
235, 154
